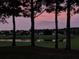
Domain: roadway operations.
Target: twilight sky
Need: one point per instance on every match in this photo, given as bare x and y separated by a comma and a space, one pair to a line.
44, 21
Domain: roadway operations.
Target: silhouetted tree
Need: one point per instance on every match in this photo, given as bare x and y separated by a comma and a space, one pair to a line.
56, 24
54, 5
32, 7
68, 46
10, 8
3, 14
13, 5
32, 24
71, 5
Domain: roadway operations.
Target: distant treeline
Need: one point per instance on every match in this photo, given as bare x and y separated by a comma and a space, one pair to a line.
74, 31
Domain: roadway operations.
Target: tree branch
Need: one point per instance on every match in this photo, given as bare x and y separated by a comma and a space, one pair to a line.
39, 14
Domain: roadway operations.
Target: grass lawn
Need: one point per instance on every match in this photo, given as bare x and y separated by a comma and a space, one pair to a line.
75, 42
49, 44
3, 44
40, 44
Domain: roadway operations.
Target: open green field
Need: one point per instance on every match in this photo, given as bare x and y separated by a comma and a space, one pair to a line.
75, 42
45, 41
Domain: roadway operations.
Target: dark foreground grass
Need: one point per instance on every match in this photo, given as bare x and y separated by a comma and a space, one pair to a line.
37, 53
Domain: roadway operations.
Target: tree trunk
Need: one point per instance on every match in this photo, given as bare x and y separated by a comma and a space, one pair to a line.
56, 24
32, 25
14, 33
68, 42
